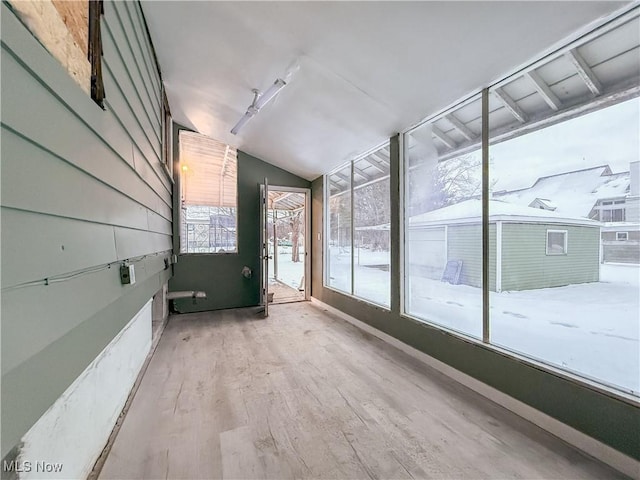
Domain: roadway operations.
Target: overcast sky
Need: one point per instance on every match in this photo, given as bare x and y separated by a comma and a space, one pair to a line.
610, 136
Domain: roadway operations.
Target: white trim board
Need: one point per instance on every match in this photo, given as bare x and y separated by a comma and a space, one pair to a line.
587, 444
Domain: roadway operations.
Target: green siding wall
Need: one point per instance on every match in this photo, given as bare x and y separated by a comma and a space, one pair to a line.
220, 275
81, 188
526, 265
464, 242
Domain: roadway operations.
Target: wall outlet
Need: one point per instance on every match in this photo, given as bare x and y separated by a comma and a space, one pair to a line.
127, 274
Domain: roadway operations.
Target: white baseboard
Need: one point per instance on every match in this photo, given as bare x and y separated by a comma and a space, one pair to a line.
65, 442
587, 444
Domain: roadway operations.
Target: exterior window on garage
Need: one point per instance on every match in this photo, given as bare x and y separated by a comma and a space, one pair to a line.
556, 242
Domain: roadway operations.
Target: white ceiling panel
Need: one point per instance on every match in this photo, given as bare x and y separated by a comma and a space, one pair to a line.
366, 69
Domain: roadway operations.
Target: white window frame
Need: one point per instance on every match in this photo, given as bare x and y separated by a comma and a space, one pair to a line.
566, 242
619, 234
326, 230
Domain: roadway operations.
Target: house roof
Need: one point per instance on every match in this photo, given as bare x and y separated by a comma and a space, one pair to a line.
470, 211
574, 193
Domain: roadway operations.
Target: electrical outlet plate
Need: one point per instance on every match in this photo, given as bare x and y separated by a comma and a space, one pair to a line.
127, 274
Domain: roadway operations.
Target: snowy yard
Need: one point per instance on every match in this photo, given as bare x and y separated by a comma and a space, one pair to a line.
289, 272
591, 329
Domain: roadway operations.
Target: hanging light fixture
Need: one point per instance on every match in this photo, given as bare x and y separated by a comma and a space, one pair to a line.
260, 99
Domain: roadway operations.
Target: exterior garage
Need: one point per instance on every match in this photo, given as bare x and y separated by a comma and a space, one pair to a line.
529, 248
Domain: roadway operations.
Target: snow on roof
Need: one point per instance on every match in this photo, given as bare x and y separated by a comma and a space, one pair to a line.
471, 210
545, 202
574, 193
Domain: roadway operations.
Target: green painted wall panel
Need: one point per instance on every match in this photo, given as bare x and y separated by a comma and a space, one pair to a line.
146, 61
24, 163
117, 21
134, 243
526, 265
219, 275
55, 367
39, 89
611, 421
142, 70
28, 109
32, 246
78, 176
29, 326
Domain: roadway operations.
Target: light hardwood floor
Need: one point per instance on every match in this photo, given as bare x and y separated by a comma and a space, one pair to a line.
303, 394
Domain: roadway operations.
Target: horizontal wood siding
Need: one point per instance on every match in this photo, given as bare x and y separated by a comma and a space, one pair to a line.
464, 242
82, 190
526, 265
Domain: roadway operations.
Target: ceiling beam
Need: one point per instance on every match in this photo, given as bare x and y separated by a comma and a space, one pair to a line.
461, 127
543, 89
374, 164
361, 173
343, 177
585, 72
284, 195
443, 137
381, 163
511, 105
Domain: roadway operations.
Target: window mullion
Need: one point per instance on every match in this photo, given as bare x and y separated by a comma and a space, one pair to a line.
485, 215
353, 234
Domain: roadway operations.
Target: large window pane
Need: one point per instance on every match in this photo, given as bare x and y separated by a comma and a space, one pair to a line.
339, 229
443, 223
208, 195
566, 289
371, 207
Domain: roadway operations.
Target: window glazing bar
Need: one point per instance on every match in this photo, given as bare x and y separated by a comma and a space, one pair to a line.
353, 232
485, 215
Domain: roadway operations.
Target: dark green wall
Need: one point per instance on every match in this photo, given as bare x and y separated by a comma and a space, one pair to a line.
82, 188
219, 274
609, 420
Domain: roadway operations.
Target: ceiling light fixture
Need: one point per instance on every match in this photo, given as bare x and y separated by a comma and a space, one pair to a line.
259, 101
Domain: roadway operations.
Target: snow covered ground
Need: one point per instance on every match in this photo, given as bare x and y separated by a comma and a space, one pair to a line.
289, 272
371, 281
591, 329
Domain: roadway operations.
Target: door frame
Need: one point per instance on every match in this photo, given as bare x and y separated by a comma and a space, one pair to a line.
307, 232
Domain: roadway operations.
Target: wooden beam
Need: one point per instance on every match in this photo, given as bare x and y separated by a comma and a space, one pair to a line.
342, 176
279, 198
543, 89
461, 127
382, 164
361, 173
621, 93
511, 105
585, 72
443, 137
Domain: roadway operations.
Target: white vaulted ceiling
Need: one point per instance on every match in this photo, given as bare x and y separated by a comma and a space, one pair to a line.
366, 69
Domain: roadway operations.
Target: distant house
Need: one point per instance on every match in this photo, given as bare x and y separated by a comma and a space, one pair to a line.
530, 248
595, 193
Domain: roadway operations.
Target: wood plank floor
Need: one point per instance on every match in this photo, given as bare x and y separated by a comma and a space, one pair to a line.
304, 394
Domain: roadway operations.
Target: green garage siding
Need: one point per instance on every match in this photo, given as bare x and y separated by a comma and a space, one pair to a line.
525, 264
81, 188
464, 242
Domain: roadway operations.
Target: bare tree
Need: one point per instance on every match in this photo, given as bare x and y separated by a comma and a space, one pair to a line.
295, 222
447, 183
